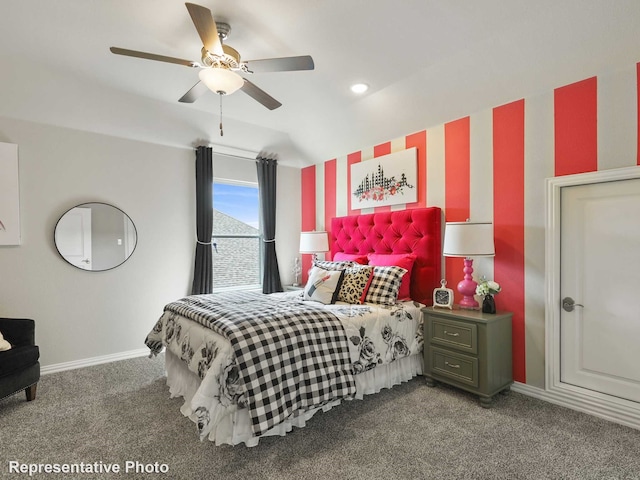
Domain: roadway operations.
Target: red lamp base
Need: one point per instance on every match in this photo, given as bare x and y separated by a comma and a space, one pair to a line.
467, 287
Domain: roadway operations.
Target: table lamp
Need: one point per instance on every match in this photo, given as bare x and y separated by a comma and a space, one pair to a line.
467, 239
314, 243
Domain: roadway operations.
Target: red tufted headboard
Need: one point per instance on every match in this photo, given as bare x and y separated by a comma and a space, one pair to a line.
417, 231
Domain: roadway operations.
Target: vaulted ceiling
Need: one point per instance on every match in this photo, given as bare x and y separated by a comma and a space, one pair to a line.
426, 61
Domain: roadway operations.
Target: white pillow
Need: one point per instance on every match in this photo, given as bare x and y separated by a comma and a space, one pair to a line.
4, 345
322, 285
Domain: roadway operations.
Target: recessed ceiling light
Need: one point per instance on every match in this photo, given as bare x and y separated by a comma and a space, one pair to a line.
359, 87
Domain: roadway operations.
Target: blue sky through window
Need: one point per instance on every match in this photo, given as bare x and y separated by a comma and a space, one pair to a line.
238, 201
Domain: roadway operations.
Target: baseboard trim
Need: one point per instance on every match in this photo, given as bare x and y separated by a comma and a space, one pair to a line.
620, 414
88, 362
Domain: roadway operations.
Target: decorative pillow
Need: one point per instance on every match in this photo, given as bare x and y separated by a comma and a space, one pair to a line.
327, 265
354, 284
385, 285
323, 285
4, 345
402, 260
349, 257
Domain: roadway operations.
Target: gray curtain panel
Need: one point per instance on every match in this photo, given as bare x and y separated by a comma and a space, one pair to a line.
267, 176
203, 268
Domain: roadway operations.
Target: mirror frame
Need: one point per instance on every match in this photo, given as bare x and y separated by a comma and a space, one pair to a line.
85, 204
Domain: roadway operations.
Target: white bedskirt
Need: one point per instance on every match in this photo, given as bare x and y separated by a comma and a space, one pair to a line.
235, 427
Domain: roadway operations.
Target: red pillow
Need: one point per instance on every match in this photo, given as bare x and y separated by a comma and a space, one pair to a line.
350, 257
403, 260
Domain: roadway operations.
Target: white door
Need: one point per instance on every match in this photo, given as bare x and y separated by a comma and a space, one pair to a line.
600, 269
73, 237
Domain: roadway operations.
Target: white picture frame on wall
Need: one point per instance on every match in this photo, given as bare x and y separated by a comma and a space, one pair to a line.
9, 195
386, 180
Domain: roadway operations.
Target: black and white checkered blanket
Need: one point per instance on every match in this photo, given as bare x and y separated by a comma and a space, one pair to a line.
292, 355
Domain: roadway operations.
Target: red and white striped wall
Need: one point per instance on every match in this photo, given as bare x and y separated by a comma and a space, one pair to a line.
491, 166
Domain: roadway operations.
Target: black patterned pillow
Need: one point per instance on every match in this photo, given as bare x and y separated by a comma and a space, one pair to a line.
385, 285
354, 284
327, 265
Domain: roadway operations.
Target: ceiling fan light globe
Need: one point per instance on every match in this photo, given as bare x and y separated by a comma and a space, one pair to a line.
220, 80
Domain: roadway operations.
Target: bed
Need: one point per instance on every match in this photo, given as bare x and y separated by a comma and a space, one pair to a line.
250, 365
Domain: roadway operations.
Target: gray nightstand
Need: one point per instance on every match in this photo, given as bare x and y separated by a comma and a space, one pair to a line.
468, 349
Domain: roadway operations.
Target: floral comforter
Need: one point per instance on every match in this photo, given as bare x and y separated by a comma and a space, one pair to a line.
376, 335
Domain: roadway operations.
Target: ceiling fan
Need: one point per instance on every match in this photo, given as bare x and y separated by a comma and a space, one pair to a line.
220, 63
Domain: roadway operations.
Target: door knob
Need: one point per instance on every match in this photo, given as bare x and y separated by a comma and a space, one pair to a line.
568, 304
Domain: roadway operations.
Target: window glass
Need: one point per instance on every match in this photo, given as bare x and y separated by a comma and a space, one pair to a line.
236, 235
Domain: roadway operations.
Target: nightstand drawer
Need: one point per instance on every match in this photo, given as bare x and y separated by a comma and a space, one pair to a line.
459, 335
455, 366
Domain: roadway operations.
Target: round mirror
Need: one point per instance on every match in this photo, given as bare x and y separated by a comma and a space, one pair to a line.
95, 236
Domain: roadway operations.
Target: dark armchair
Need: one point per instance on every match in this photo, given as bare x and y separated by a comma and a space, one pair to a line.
19, 366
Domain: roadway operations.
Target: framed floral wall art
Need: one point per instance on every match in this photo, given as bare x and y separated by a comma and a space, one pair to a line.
387, 180
9, 195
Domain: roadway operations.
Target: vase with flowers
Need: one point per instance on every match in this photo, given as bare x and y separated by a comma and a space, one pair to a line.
487, 289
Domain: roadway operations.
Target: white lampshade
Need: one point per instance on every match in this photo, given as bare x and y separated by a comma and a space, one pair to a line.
314, 242
221, 80
466, 239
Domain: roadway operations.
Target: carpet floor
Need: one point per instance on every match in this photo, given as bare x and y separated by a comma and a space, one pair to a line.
120, 414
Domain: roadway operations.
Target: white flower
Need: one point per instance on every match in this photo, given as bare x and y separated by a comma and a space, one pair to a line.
488, 287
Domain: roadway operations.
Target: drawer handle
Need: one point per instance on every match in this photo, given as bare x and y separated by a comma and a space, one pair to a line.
451, 365
451, 334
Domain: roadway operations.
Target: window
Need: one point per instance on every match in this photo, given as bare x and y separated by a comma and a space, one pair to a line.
236, 235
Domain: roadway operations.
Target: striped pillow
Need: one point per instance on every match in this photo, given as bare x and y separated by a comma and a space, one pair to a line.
385, 285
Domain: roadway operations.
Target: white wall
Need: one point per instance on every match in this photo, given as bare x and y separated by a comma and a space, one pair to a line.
288, 221
83, 315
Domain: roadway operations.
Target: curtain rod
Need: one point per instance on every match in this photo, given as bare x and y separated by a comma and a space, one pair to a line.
226, 150
234, 156
270, 156
239, 153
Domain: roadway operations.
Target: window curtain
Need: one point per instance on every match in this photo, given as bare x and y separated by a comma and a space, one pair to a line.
203, 268
267, 176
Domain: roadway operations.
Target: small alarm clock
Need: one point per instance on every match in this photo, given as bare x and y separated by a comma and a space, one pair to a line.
443, 297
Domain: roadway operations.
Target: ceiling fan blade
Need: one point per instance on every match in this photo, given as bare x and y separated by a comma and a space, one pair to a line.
194, 93
206, 27
260, 95
153, 56
283, 64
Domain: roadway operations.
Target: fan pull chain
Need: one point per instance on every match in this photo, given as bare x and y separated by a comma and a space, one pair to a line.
221, 131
